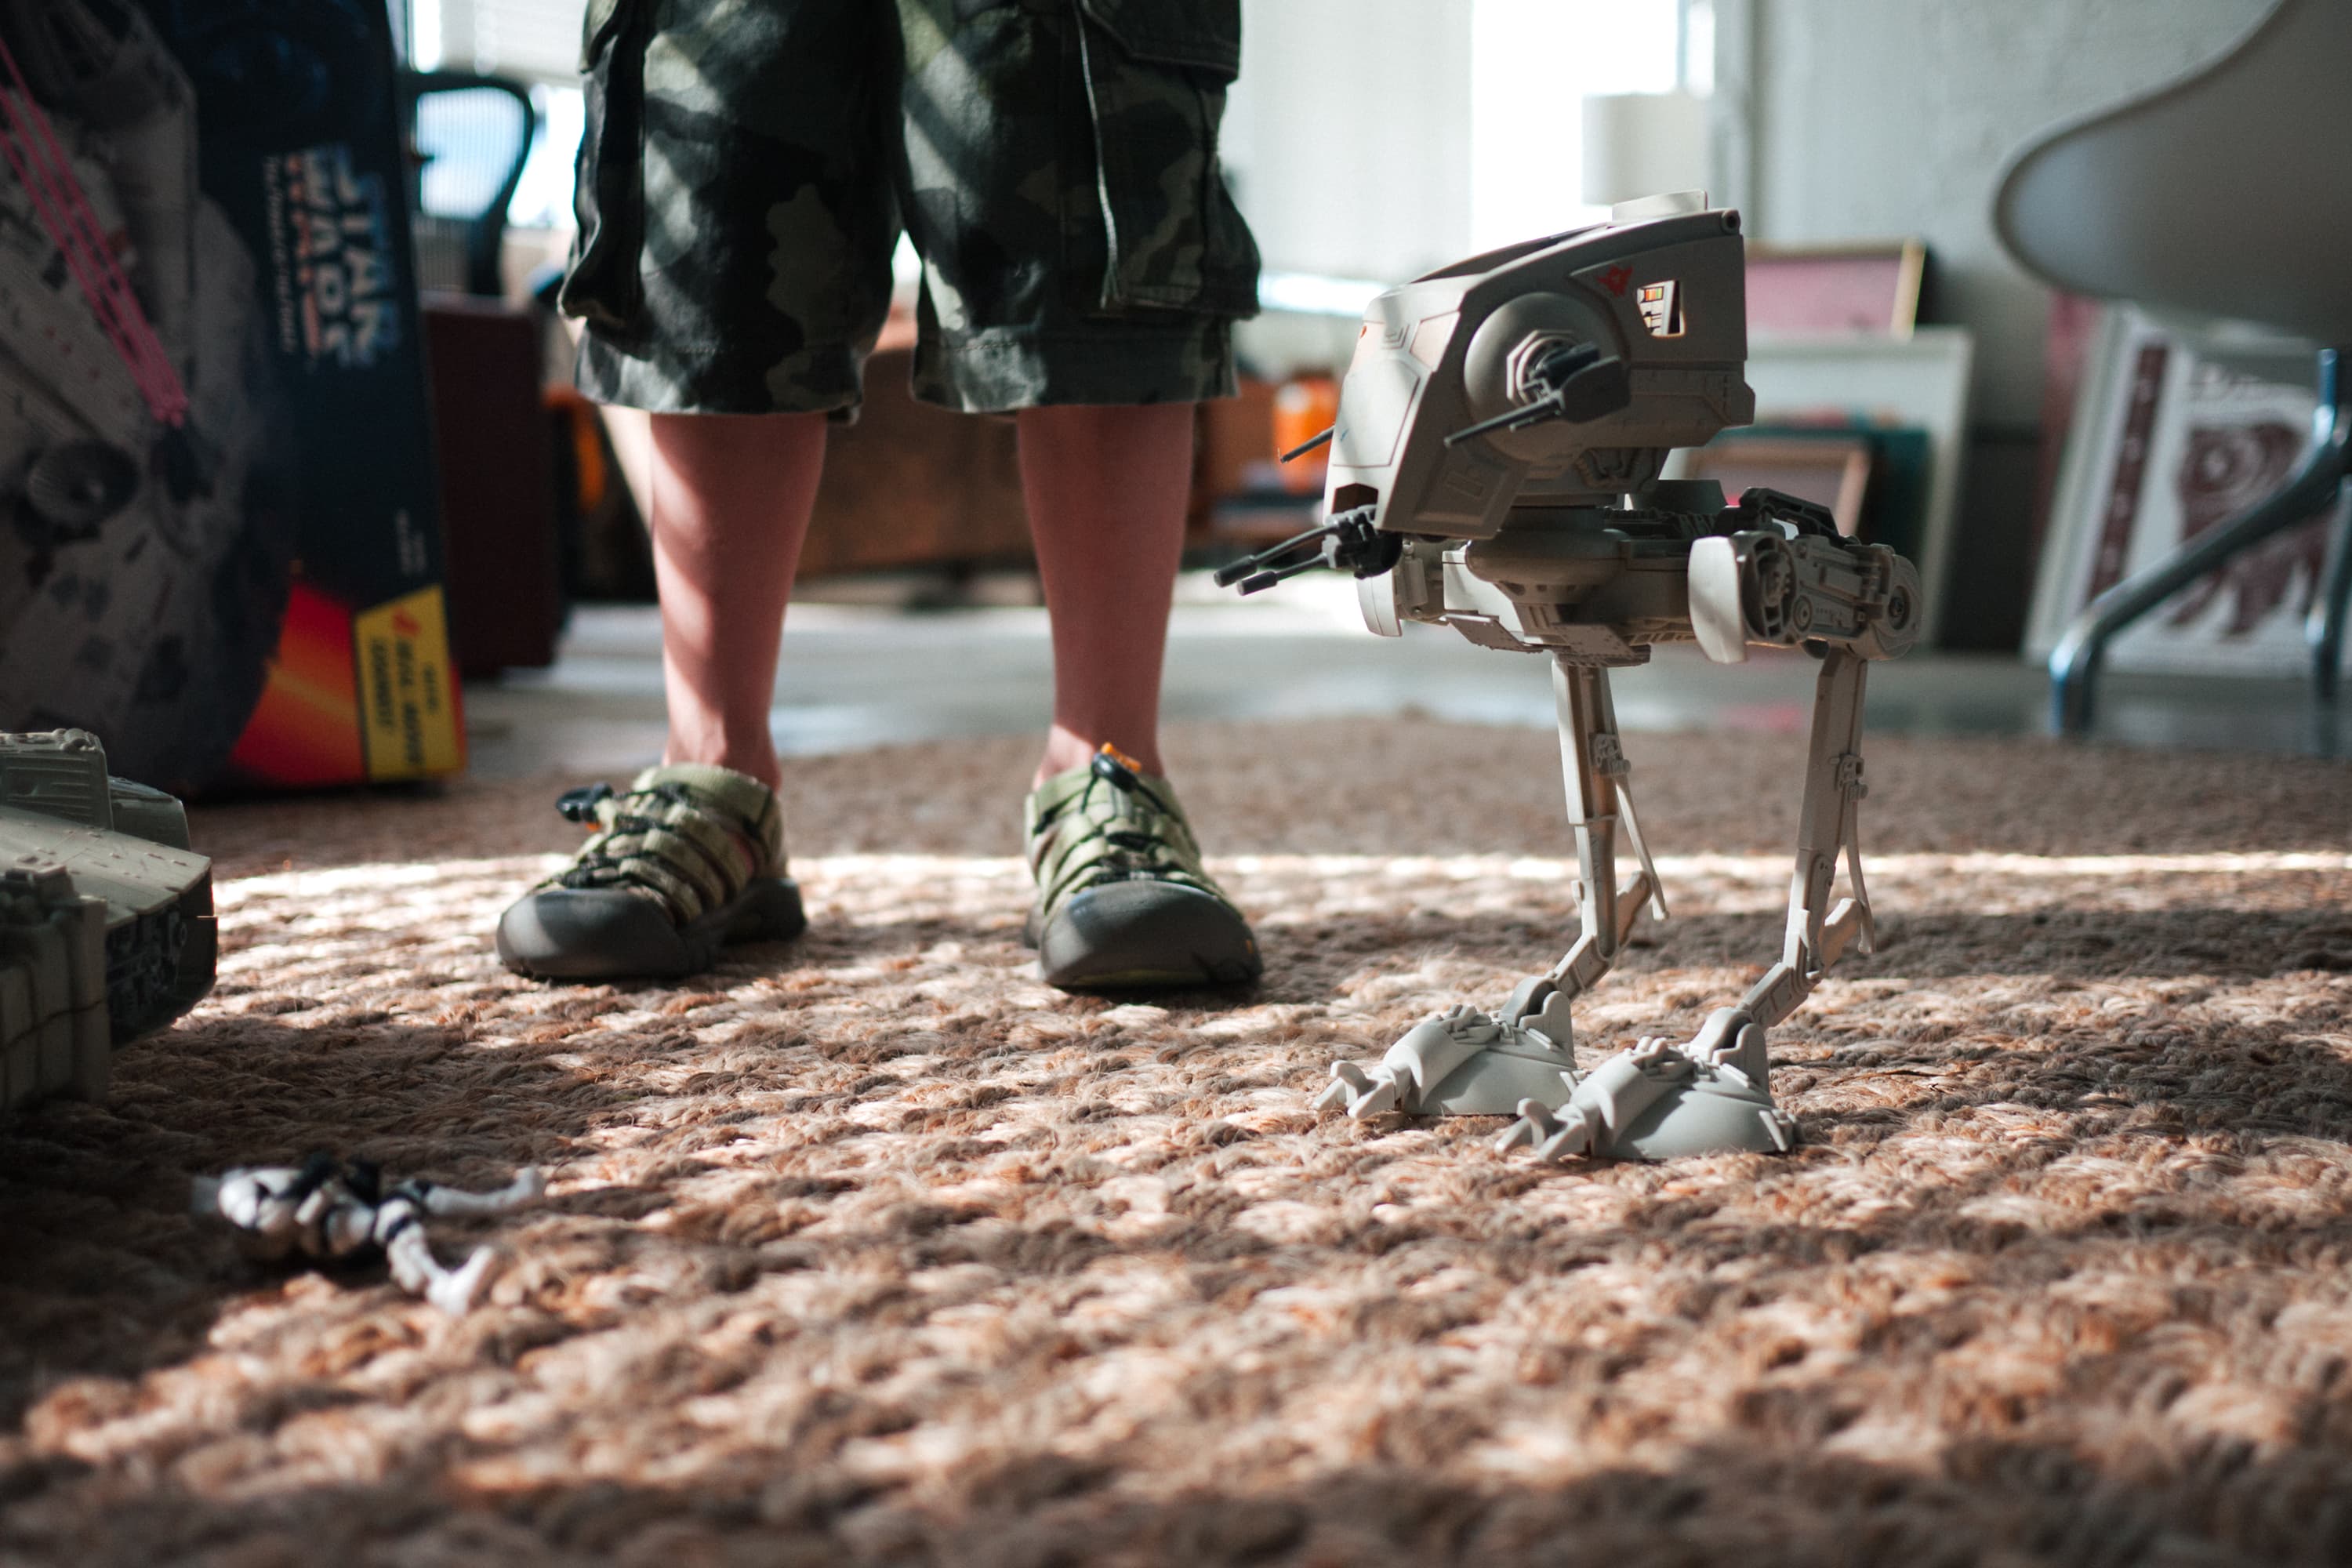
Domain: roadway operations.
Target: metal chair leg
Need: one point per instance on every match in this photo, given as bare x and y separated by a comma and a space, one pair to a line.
2074, 663
2323, 629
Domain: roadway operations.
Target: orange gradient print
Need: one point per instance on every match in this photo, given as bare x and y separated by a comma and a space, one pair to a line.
306, 728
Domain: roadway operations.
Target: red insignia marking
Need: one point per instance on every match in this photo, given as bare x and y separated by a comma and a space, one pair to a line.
1615, 280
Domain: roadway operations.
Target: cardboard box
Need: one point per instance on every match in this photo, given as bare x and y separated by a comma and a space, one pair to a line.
251, 591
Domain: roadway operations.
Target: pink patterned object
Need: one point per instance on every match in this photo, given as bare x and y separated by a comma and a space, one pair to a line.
32, 150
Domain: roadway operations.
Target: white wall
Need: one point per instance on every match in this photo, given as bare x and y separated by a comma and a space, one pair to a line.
1878, 118
1377, 139
1348, 137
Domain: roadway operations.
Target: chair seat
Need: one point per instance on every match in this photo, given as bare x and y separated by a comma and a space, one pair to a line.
2228, 192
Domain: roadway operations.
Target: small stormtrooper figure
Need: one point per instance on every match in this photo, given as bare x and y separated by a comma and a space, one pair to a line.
334, 1209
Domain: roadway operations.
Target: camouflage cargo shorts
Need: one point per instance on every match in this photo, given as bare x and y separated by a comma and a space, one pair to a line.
748, 164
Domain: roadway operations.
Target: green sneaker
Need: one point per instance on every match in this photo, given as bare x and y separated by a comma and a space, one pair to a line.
1122, 902
692, 855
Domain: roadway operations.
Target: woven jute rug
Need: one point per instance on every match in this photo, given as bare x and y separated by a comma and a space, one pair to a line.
870, 1248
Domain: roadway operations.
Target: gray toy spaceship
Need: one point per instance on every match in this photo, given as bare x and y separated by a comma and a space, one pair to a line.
1497, 465
105, 915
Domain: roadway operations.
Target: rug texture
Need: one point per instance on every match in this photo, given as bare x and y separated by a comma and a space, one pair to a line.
870, 1248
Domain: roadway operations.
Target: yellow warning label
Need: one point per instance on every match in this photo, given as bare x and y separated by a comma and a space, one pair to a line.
408, 707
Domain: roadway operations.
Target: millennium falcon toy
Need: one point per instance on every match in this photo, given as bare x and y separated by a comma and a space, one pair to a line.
105, 915
1498, 465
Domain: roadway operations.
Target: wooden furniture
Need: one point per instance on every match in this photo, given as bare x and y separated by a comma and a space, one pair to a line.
498, 484
912, 485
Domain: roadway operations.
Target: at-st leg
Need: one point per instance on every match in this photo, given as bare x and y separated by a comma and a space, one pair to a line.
1660, 1101
1592, 759
1465, 1062
1819, 935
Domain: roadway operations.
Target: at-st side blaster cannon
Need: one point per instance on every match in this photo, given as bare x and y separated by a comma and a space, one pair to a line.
1497, 467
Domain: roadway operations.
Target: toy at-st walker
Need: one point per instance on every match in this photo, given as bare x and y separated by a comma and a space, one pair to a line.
1496, 466
337, 1210
105, 915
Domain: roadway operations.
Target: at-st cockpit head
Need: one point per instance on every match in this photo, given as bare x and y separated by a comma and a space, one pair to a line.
1561, 371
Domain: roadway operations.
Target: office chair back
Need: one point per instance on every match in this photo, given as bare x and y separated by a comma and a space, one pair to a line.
2227, 192
474, 135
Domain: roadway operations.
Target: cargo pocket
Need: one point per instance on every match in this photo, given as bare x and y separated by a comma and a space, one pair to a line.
1155, 73
604, 286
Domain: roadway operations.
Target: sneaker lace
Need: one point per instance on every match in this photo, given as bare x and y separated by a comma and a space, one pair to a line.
595, 865
1140, 848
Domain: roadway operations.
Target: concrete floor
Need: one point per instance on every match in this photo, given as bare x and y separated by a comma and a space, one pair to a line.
863, 674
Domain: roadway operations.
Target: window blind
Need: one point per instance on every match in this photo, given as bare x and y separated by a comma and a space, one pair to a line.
537, 40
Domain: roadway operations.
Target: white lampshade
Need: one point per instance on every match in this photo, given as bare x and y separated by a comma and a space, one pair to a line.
1642, 144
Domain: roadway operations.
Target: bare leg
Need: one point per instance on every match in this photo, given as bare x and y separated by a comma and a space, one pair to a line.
1123, 902
1106, 488
732, 495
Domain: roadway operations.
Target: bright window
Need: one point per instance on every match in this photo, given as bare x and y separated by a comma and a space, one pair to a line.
537, 40
1532, 62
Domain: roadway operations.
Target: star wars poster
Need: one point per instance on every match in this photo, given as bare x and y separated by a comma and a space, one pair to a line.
218, 542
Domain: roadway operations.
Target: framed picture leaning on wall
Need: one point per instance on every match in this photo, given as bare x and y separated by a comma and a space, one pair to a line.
2173, 435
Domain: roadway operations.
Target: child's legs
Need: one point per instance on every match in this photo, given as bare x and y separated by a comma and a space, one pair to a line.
1106, 488
730, 507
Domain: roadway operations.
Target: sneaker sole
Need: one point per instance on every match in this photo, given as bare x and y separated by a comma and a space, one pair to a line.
604, 933
1134, 936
